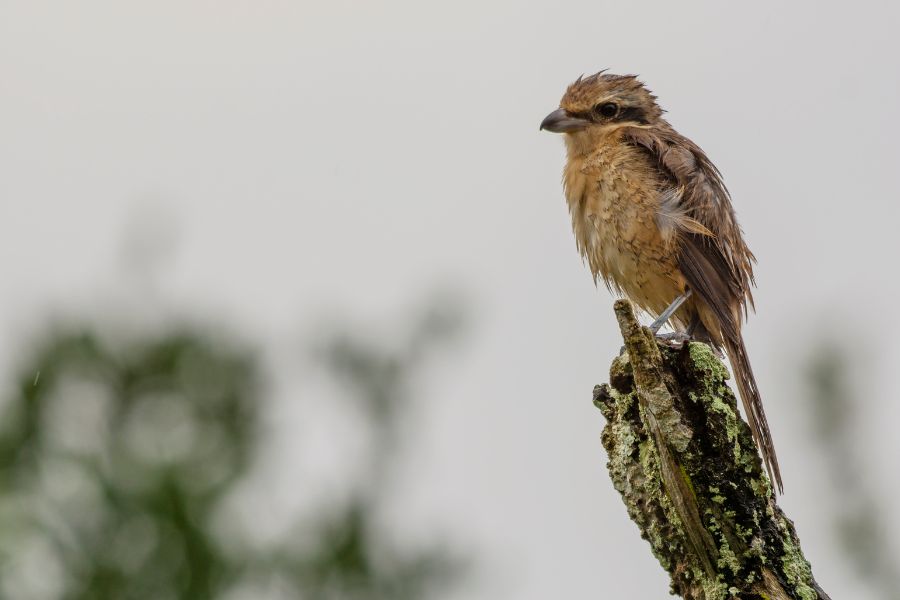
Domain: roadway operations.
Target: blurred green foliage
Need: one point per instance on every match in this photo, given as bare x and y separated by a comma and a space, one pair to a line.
859, 518
117, 453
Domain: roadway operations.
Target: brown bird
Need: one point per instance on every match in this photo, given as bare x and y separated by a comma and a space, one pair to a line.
653, 218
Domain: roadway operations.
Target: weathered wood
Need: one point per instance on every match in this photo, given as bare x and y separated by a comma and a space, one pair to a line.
691, 477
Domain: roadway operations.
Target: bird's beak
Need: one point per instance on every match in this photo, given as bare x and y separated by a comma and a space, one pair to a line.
560, 121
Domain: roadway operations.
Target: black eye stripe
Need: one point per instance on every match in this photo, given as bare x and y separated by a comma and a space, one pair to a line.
632, 113
625, 114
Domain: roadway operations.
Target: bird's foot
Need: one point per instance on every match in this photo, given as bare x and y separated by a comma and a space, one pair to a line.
676, 339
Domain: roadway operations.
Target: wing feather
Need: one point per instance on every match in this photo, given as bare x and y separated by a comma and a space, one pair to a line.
712, 255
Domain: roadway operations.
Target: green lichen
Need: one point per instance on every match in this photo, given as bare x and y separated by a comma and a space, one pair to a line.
621, 366
624, 402
714, 589
727, 558
744, 533
795, 567
687, 480
705, 360
719, 400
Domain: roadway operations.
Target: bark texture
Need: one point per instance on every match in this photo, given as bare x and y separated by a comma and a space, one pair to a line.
691, 477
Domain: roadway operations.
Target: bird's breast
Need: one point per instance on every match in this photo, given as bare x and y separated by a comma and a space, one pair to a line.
613, 199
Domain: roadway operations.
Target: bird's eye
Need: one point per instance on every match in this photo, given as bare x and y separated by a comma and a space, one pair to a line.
607, 109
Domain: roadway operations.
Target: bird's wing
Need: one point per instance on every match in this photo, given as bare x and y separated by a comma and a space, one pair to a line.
712, 253
712, 256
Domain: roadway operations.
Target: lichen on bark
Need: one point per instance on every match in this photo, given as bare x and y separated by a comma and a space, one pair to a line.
690, 475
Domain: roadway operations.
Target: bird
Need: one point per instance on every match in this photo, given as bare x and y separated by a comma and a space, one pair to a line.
653, 219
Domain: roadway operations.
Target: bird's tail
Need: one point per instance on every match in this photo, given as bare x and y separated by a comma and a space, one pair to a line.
759, 426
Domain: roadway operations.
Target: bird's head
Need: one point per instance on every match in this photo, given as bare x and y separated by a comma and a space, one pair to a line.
593, 106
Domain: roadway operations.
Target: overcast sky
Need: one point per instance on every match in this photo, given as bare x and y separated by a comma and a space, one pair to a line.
343, 157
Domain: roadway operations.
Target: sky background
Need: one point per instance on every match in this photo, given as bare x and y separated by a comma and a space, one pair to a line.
278, 165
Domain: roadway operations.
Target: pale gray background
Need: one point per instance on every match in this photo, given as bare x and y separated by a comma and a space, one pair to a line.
299, 159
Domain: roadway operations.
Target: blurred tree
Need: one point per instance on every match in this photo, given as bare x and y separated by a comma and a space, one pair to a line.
354, 557
860, 518
113, 459
115, 456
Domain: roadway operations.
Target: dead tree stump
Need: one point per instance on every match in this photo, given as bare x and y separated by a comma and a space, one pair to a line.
691, 478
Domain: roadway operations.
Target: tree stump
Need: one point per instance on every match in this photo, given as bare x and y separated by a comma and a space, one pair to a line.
690, 475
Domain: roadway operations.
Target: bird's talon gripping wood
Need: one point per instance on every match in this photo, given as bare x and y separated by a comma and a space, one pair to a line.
676, 339
653, 220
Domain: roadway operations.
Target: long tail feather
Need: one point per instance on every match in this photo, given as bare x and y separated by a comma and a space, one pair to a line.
759, 426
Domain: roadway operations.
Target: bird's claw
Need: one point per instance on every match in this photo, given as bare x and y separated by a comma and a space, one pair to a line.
675, 340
